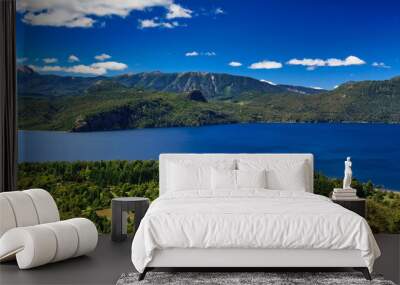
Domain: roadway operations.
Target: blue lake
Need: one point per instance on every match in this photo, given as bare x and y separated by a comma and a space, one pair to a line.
374, 148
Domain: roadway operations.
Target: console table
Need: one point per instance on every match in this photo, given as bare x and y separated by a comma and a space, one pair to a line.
120, 208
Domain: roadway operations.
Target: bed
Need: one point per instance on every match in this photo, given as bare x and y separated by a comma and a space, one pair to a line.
246, 211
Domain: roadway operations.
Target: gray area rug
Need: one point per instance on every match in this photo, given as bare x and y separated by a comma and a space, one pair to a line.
229, 278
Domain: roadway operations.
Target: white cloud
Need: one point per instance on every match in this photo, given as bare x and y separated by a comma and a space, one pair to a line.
49, 60
46, 68
235, 64
98, 68
336, 86
219, 11
85, 69
269, 82
317, 87
81, 69
266, 64
171, 25
196, 53
353, 60
380, 64
21, 60
78, 13
192, 53
102, 57
148, 23
307, 62
312, 64
152, 23
350, 60
110, 65
54, 17
177, 11
73, 58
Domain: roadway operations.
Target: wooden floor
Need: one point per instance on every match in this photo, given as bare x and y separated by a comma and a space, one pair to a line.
103, 266
110, 259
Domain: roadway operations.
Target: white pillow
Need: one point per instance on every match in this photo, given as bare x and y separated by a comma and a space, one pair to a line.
223, 179
187, 177
281, 174
226, 179
193, 175
251, 178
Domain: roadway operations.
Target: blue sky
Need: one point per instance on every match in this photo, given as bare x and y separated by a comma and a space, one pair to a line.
309, 43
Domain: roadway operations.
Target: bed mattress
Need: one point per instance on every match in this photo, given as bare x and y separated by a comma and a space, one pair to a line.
251, 219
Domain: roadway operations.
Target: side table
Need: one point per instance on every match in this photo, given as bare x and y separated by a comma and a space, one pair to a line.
119, 208
357, 205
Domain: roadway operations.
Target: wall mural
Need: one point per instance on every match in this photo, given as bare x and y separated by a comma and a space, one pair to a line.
104, 88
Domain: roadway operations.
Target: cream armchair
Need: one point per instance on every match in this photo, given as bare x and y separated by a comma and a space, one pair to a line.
31, 230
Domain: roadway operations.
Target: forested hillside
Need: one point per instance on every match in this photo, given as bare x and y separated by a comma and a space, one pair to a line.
86, 189
103, 104
122, 109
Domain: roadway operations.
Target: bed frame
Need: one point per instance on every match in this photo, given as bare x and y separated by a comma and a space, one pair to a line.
242, 259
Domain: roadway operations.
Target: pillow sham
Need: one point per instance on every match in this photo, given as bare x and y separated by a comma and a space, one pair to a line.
223, 179
193, 175
251, 179
281, 174
187, 177
229, 180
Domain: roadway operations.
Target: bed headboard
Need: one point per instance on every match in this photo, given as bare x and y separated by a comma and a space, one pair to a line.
165, 157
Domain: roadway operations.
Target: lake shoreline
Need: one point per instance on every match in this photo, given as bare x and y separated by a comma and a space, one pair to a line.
375, 158
224, 124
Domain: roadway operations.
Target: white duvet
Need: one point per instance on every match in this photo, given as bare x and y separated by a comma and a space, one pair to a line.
250, 219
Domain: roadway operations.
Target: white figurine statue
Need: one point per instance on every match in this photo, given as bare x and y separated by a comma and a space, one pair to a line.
348, 173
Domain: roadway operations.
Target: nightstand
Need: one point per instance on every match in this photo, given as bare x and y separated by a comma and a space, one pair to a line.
119, 212
358, 205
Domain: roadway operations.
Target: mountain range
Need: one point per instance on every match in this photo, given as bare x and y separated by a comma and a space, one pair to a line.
212, 85
155, 99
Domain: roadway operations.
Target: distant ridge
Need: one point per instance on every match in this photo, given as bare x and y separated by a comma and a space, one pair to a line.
212, 85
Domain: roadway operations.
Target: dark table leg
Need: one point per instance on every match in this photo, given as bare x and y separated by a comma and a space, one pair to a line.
116, 223
120, 216
140, 211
